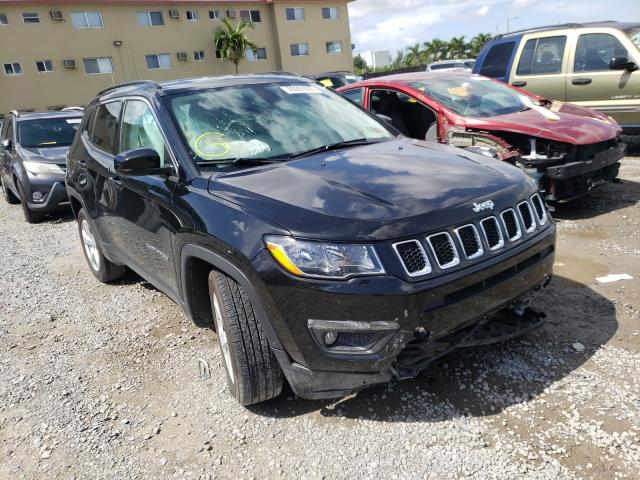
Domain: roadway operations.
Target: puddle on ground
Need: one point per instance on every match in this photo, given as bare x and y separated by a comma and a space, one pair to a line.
579, 269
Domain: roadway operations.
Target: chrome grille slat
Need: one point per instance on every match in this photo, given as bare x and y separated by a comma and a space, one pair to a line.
526, 215
511, 224
470, 241
444, 250
538, 206
413, 258
492, 233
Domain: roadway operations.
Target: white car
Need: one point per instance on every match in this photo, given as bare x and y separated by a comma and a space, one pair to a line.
466, 64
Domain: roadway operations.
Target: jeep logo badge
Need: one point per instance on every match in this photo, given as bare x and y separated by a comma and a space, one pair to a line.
478, 207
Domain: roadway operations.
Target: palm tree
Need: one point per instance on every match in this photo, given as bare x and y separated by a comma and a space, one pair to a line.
232, 42
457, 47
477, 43
439, 49
413, 56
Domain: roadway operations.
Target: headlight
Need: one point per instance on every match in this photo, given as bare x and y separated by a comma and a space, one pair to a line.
483, 150
324, 260
37, 167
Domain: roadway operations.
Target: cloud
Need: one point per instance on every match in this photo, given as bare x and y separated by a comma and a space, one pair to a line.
482, 11
523, 3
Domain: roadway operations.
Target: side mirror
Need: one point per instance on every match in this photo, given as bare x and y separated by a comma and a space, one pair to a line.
384, 118
139, 162
622, 63
6, 144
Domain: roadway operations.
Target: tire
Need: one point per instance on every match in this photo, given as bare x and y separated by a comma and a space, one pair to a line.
253, 373
100, 266
31, 216
9, 196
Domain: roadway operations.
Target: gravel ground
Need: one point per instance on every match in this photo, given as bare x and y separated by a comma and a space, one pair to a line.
102, 381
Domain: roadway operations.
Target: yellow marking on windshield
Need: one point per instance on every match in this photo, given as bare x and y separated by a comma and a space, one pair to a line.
224, 146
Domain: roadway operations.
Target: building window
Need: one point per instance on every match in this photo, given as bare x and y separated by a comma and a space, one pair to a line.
44, 66
3, 19
87, 19
299, 49
160, 60
258, 54
252, 15
94, 66
334, 47
30, 17
13, 68
231, 13
214, 14
330, 13
295, 13
148, 19
198, 56
218, 54
193, 15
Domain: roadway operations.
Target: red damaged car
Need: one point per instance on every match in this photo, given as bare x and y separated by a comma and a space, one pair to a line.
568, 148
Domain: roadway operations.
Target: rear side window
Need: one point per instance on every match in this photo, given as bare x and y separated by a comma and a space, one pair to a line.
542, 55
356, 95
105, 127
595, 50
496, 61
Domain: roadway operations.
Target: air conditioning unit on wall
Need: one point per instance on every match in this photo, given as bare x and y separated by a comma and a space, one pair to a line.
56, 15
174, 13
69, 63
182, 56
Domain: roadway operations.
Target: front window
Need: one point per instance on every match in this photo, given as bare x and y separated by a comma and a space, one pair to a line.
595, 50
214, 14
44, 66
473, 96
542, 56
251, 15
334, 47
148, 19
193, 15
634, 36
13, 68
139, 129
3, 19
198, 56
330, 13
257, 54
86, 19
51, 132
272, 120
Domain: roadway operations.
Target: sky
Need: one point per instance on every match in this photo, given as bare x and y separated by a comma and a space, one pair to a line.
395, 24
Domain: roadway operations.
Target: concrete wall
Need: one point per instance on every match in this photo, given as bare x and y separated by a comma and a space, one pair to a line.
59, 40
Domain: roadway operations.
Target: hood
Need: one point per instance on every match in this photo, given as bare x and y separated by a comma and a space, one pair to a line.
56, 155
572, 124
381, 191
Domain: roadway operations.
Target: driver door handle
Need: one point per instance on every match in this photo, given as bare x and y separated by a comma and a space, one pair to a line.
519, 83
581, 81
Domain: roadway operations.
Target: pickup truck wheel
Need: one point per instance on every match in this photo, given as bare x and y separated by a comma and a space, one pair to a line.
100, 266
9, 197
30, 216
253, 373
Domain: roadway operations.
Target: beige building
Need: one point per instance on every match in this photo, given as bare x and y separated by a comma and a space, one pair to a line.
60, 53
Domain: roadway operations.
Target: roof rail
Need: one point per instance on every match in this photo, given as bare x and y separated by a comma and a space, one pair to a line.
536, 29
15, 113
72, 109
150, 83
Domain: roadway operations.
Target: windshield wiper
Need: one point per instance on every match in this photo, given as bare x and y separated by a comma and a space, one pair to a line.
334, 146
245, 161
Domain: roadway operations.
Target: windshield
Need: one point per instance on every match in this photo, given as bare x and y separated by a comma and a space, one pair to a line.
269, 120
49, 132
634, 35
473, 95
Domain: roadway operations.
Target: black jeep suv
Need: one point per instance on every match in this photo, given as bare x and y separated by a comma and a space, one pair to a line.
33, 155
323, 249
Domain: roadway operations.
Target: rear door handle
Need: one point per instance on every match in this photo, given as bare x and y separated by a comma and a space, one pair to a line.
581, 81
519, 83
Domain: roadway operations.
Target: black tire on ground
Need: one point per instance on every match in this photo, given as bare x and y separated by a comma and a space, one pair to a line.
106, 271
255, 374
9, 196
30, 216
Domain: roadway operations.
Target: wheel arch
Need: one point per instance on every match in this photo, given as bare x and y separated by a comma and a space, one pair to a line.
196, 262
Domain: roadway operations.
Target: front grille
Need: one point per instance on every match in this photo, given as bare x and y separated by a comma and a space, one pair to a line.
492, 233
444, 250
511, 224
470, 241
541, 211
526, 215
413, 257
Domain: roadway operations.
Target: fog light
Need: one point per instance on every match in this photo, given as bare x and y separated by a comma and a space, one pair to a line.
37, 196
330, 338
